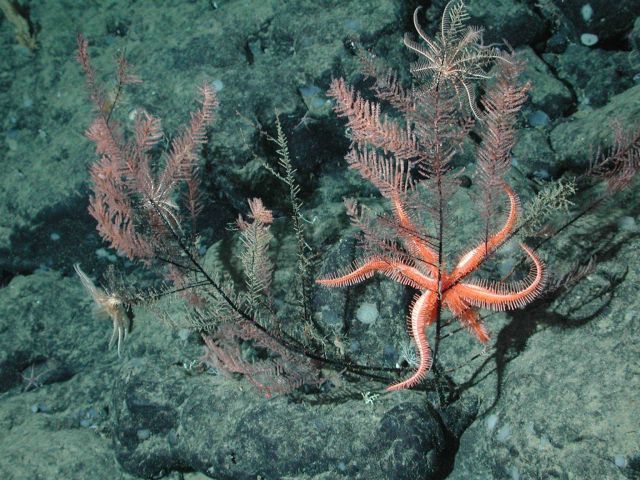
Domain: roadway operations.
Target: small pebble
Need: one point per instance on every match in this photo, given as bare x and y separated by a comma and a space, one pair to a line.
538, 118
353, 25
620, 461
542, 174
588, 39
104, 254
217, 85
491, 422
504, 434
627, 224
172, 438
39, 407
87, 423
330, 317
367, 313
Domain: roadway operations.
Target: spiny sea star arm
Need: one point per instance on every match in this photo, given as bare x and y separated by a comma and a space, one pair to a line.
472, 260
423, 314
394, 269
409, 232
360, 271
467, 315
505, 296
471, 319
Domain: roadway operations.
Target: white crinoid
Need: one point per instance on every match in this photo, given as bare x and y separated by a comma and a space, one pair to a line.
455, 56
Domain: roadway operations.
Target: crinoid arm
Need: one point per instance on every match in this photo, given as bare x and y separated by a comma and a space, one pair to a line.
121, 326
471, 97
107, 305
430, 43
453, 17
429, 55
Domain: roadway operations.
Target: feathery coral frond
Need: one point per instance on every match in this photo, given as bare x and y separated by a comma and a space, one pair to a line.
180, 162
501, 103
388, 174
619, 165
369, 126
132, 206
255, 237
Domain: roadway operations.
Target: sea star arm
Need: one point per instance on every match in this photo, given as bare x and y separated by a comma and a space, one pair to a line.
394, 269
471, 319
423, 314
467, 315
360, 271
472, 260
505, 296
408, 232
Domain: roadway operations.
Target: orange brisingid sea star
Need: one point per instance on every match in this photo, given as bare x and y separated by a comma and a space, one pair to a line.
423, 270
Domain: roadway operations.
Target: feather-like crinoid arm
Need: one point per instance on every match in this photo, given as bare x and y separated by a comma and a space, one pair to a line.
453, 20
503, 295
107, 305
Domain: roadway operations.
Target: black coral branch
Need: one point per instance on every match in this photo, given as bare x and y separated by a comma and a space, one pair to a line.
135, 206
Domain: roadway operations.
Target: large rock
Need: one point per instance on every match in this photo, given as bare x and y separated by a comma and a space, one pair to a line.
547, 92
55, 377
576, 140
594, 75
166, 420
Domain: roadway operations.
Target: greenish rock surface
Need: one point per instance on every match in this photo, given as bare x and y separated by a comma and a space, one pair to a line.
577, 140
